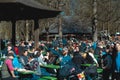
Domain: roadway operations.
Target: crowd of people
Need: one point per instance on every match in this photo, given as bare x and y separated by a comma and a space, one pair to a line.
69, 54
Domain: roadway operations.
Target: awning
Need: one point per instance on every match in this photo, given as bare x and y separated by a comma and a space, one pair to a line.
25, 9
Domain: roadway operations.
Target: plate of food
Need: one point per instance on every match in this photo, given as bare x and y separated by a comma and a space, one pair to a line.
21, 70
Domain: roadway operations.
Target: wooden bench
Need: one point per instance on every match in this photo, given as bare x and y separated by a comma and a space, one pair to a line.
42, 79
47, 78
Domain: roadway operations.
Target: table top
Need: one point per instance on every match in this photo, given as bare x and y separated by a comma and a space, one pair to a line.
27, 72
87, 65
0, 67
2, 59
49, 78
99, 70
51, 66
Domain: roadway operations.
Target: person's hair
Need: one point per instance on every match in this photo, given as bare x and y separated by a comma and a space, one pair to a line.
10, 54
9, 44
41, 47
36, 54
30, 56
108, 47
38, 49
25, 51
31, 47
90, 50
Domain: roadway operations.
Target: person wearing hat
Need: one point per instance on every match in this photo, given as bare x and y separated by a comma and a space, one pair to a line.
65, 58
7, 70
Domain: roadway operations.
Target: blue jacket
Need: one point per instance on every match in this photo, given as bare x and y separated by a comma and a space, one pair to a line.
65, 59
107, 61
118, 62
94, 45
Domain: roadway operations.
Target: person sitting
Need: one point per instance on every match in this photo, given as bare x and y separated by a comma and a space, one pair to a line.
90, 71
15, 61
87, 58
77, 59
106, 63
50, 58
38, 55
33, 65
41, 62
24, 58
7, 70
91, 53
65, 58
24, 62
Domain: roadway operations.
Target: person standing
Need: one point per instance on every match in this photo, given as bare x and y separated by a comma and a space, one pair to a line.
114, 54
106, 64
117, 60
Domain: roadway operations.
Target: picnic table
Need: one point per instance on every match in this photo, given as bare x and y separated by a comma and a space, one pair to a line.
2, 59
48, 78
87, 65
99, 70
0, 68
25, 74
51, 66
96, 56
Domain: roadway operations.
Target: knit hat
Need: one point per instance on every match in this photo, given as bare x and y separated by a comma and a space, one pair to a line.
65, 49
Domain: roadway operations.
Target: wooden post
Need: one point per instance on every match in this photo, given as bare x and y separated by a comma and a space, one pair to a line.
13, 32
47, 33
36, 32
27, 31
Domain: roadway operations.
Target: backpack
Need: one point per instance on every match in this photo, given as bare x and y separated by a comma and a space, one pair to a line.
89, 59
52, 59
92, 70
33, 65
69, 69
4, 71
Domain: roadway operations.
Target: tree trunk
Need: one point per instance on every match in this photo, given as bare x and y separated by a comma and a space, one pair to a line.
60, 28
27, 31
95, 36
